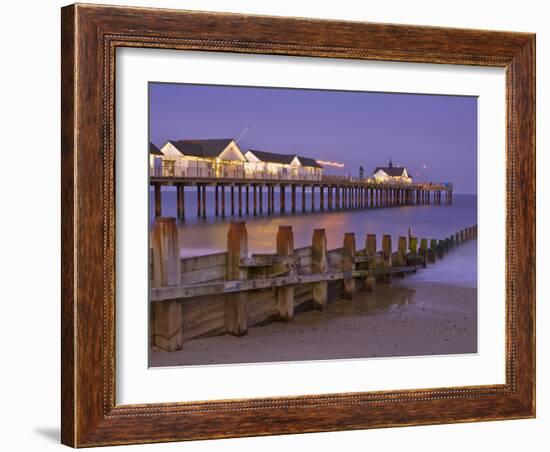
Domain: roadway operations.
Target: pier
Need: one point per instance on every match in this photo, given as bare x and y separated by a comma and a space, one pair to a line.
227, 292
254, 194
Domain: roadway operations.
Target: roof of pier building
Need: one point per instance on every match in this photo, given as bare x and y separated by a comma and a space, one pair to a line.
283, 159
153, 150
223, 148
392, 171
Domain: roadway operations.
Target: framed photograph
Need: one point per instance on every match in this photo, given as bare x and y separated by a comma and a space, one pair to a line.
281, 225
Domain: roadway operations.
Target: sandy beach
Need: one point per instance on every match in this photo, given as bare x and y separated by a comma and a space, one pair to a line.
413, 316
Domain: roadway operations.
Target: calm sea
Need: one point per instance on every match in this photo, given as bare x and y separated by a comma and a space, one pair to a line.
200, 237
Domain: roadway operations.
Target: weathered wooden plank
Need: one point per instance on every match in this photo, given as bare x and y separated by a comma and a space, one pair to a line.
334, 258
234, 286
190, 264
217, 273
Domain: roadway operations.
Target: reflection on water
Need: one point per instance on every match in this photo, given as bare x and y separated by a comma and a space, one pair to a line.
201, 237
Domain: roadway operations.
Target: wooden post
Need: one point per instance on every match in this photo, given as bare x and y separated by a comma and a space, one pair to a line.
282, 206
424, 251
216, 207
285, 294
319, 265
386, 257
180, 201
337, 197
167, 327
303, 198
236, 305
322, 197
240, 200
370, 250
255, 212
440, 248
413, 245
293, 198
247, 199
158, 201
269, 206
348, 264
432, 251
401, 254
204, 201
223, 201
313, 198
260, 193
232, 200
330, 203
199, 210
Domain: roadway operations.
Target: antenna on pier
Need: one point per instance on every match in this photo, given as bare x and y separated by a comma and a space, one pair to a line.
243, 133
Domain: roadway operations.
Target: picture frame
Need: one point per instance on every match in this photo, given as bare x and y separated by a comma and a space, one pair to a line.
90, 36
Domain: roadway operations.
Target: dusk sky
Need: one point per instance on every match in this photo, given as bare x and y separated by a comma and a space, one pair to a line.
354, 128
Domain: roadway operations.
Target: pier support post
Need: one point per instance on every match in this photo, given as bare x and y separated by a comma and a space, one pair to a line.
293, 199
282, 206
223, 201
386, 257
247, 200
216, 201
330, 204
322, 198
232, 200
370, 250
180, 195
158, 201
313, 198
240, 200
338, 198
348, 264
285, 294
303, 198
167, 326
236, 305
199, 210
255, 194
260, 193
319, 265
204, 201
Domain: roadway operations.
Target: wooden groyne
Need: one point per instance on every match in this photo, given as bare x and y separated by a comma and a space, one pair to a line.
230, 291
332, 193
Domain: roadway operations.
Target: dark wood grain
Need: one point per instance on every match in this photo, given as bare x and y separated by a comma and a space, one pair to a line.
90, 36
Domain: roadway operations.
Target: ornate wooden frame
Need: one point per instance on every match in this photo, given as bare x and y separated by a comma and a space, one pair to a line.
90, 35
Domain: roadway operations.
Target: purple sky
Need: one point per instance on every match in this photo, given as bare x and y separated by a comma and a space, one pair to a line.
354, 128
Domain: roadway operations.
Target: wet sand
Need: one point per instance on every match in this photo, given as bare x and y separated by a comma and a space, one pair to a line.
394, 321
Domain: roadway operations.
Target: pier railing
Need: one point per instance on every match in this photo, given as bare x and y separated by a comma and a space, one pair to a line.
228, 292
228, 172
